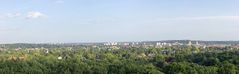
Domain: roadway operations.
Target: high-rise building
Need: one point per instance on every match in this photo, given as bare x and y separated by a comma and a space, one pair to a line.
197, 43
190, 42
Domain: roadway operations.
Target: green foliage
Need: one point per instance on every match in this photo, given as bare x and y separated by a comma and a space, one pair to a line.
107, 60
227, 68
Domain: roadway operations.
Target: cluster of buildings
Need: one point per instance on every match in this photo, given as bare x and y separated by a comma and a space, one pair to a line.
201, 44
150, 43
121, 43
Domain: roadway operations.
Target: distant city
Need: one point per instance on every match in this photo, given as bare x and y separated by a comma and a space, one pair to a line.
157, 44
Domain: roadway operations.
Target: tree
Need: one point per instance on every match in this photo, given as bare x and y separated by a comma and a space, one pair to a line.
227, 68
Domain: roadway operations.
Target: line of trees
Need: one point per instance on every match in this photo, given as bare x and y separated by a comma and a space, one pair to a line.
119, 61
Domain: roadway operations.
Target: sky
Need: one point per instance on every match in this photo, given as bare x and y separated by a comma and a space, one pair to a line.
67, 21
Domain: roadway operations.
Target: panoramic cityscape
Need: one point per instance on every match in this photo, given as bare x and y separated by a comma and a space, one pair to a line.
119, 37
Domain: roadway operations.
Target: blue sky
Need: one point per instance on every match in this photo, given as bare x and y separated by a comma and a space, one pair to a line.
44, 21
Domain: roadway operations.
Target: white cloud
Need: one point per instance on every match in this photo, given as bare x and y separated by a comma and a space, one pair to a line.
13, 15
9, 15
28, 15
35, 14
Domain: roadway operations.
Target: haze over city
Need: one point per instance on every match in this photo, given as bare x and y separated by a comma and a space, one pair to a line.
43, 21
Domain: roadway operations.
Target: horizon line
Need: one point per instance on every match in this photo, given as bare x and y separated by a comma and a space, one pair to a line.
108, 41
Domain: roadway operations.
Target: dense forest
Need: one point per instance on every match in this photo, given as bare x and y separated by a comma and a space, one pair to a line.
113, 60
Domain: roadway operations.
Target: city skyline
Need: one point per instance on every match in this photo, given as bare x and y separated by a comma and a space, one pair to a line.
64, 21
